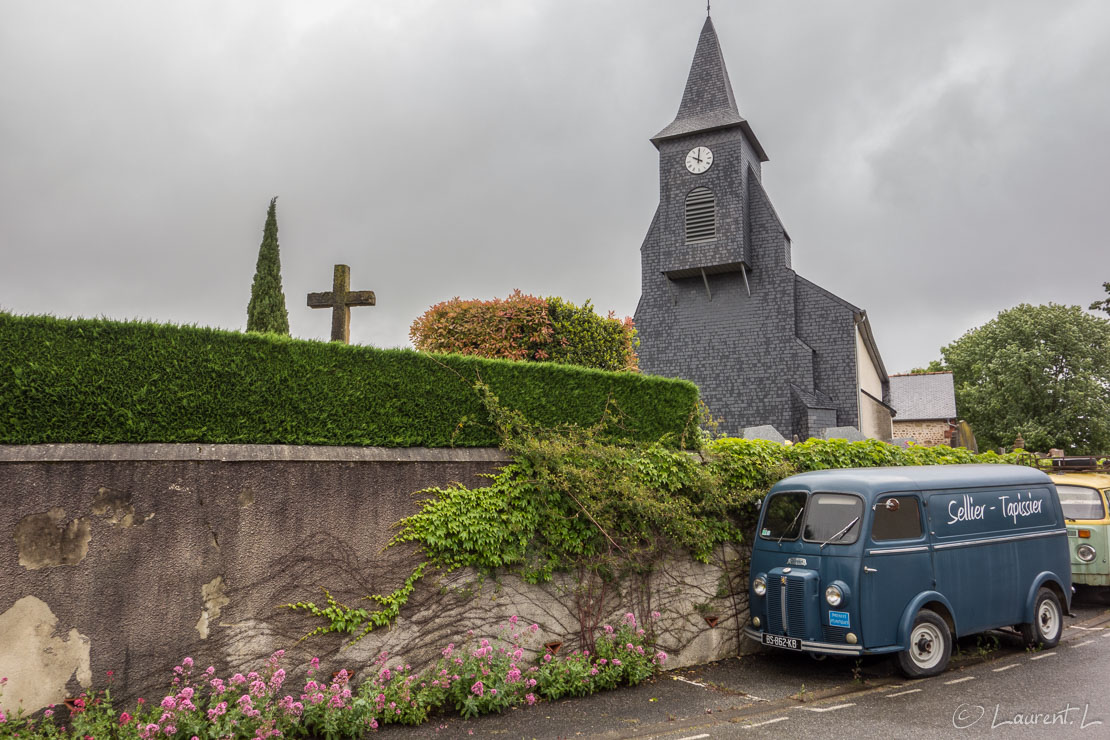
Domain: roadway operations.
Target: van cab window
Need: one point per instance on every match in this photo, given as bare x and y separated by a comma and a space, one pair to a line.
782, 517
833, 518
896, 518
1080, 502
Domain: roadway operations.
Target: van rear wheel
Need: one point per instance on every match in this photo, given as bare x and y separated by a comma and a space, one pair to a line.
1048, 621
930, 646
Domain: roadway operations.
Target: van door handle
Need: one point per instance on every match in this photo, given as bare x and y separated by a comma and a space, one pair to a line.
870, 570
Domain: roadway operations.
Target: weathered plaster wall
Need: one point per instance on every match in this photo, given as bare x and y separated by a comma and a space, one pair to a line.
130, 557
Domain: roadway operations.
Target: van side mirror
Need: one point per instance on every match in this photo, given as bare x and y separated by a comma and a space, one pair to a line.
891, 504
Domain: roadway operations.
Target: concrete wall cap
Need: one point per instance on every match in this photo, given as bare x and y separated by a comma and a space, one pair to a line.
243, 453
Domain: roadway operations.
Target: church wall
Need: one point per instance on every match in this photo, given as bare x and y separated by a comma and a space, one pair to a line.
828, 327
874, 417
130, 557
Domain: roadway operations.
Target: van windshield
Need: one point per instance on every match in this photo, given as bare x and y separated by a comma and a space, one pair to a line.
833, 518
782, 515
1080, 502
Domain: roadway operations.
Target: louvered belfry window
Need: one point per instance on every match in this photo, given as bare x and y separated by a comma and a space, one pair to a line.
701, 216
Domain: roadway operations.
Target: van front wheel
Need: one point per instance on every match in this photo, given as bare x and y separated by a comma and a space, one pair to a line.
1048, 621
930, 646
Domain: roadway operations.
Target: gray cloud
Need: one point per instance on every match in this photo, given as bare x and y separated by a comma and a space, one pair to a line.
934, 162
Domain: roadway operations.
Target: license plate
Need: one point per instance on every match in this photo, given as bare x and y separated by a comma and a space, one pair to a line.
790, 643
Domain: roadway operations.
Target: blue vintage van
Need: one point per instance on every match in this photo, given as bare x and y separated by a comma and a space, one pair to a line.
903, 560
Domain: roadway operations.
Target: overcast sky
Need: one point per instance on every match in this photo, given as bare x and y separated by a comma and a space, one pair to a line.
934, 161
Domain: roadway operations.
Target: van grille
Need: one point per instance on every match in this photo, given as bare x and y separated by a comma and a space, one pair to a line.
795, 607
836, 634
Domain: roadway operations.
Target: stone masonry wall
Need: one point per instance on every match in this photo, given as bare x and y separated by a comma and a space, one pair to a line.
925, 433
130, 557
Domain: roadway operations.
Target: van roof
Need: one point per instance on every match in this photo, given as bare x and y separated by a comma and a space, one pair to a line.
1091, 480
873, 481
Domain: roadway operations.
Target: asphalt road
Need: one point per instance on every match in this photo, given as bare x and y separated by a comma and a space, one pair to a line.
993, 687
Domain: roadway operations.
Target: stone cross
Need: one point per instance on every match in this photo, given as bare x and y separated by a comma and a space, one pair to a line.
340, 299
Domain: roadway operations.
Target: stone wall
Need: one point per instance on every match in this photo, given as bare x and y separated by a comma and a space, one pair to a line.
130, 557
924, 433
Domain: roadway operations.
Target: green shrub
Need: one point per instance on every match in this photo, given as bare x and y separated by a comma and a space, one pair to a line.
104, 381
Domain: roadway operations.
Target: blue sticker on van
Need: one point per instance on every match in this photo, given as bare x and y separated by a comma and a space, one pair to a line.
839, 619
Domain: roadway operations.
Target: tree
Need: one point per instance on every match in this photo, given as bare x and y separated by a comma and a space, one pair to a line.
525, 327
935, 366
266, 311
1043, 371
1104, 304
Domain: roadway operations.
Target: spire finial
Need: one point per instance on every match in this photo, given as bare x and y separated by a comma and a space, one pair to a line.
706, 8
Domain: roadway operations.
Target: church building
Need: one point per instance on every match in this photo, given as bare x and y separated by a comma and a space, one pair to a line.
720, 304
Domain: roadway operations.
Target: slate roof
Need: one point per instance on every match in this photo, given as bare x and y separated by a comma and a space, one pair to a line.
923, 396
708, 101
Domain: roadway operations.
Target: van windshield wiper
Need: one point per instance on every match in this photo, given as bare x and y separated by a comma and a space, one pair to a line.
839, 534
796, 517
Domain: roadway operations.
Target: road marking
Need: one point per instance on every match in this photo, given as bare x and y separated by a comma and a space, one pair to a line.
1087, 629
768, 722
959, 680
686, 680
1005, 668
903, 693
1043, 655
1085, 642
827, 709
694, 737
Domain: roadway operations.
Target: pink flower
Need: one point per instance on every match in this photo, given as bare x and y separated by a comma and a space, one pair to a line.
185, 693
547, 657
513, 620
3, 717
188, 662
79, 705
655, 616
616, 662
48, 713
629, 646
169, 703
534, 628
209, 670
169, 730
448, 650
608, 629
238, 678
478, 688
530, 698
660, 657
518, 654
630, 619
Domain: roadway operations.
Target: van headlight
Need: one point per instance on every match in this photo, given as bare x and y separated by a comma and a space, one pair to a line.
1085, 552
759, 585
834, 595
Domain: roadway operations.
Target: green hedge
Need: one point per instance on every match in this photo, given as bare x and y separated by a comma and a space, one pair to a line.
81, 380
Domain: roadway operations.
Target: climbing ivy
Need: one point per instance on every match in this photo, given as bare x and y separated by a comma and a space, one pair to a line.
572, 499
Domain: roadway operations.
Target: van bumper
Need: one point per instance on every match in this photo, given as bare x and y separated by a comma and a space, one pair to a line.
829, 648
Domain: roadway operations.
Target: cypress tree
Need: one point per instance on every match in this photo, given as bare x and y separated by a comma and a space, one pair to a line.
266, 311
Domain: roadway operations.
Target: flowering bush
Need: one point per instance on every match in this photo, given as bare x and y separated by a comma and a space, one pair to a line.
476, 677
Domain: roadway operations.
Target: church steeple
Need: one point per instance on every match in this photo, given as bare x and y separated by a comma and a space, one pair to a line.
708, 102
